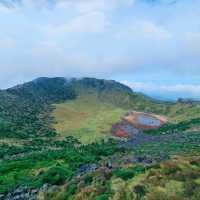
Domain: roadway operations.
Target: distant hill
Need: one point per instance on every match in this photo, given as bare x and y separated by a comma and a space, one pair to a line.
188, 101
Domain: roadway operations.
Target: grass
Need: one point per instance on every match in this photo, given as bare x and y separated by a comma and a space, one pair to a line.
86, 118
181, 112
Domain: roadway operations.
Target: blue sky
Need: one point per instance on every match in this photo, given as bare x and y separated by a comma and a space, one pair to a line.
151, 45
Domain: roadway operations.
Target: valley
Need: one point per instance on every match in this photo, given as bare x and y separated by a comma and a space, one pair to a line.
86, 118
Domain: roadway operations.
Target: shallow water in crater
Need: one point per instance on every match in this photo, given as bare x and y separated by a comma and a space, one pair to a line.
148, 120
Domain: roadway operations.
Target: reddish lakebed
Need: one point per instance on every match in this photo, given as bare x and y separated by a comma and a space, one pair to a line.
134, 122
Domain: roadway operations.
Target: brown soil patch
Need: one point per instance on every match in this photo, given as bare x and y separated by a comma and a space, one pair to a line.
135, 122
121, 133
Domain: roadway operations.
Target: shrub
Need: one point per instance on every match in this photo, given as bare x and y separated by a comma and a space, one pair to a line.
171, 168
190, 188
157, 194
55, 176
88, 179
126, 174
71, 189
103, 197
140, 190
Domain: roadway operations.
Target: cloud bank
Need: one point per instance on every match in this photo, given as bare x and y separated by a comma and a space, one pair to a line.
169, 92
155, 41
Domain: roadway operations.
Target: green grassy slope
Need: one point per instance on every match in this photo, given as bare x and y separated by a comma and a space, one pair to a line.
86, 118
183, 111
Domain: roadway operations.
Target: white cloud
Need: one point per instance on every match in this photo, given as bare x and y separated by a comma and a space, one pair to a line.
100, 5
192, 41
7, 43
166, 90
82, 6
47, 48
93, 22
4, 9
144, 30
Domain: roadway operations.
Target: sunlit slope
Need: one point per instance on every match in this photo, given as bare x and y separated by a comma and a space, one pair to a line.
183, 111
86, 118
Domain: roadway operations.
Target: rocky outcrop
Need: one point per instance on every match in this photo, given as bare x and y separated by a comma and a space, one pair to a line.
24, 193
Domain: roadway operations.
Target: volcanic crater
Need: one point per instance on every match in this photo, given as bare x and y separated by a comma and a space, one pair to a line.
135, 122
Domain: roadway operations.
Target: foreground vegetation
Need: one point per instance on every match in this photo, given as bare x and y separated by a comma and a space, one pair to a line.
120, 173
55, 135
174, 179
48, 162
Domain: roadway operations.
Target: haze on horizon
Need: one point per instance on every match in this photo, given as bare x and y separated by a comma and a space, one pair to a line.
151, 45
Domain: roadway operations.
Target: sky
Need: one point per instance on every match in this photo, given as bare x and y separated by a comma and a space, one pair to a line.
151, 45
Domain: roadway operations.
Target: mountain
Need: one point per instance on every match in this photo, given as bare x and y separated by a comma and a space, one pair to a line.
25, 108
45, 106
56, 142
44, 90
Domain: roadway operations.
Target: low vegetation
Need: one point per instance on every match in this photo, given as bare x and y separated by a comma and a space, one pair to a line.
55, 134
54, 164
180, 127
177, 178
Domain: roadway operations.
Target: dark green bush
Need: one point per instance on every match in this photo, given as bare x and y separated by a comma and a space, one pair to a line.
103, 197
140, 190
190, 188
88, 179
71, 189
126, 174
55, 176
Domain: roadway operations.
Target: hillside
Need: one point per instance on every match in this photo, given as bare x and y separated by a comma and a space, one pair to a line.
56, 142
25, 108
98, 105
